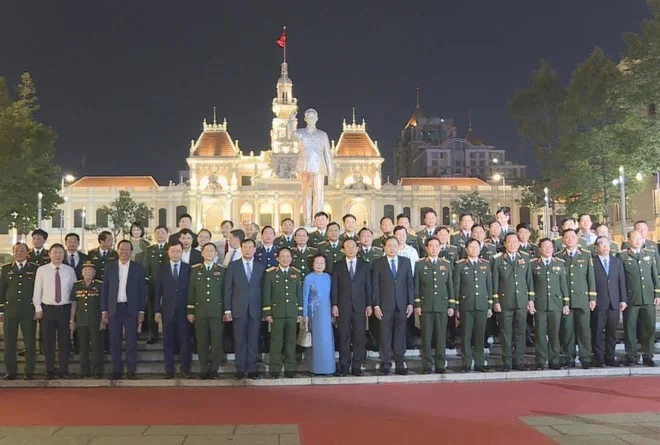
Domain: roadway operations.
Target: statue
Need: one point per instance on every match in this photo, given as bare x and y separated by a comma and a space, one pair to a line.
313, 164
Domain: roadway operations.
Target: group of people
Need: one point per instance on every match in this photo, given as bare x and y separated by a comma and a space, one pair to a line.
343, 286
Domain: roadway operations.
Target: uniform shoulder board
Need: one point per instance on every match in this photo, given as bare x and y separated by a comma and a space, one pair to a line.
270, 269
8, 264
522, 252
197, 266
497, 255
312, 248
445, 260
33, 264
423, 259
535, 260
296, 269
559, 259
376, 248
97, 281
462, 260
483, 260
80, 281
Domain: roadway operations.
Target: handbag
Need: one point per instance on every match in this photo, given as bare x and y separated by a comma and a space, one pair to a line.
304, 337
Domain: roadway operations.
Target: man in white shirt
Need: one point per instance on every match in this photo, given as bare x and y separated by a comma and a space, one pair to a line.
405, 250
234, 253
223, 245
51, 298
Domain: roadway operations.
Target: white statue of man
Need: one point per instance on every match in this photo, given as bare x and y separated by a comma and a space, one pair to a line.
313, 164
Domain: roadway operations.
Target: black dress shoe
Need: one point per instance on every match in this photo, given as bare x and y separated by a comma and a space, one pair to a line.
64, 376
358, 372
427, 371
385, 371
555, 367
186, 375
9, 377
289, 374
506, 368
586, 365
50, 376
520, 367
253, 375
341, 373
540, 367
29, 377
648, 361
152, 341
465, 369
440, 370
482, 369
169, 375
613, 363
274, 375
631, 362
401, 371
599, 364
115, 376
571, 364
131, 376
239, 376
98, 375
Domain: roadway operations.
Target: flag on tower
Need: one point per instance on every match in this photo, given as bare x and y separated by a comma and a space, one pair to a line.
281, 41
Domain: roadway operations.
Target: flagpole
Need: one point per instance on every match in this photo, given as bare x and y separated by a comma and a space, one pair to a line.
284, 32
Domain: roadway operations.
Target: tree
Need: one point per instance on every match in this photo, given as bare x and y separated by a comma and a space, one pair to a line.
27, 149
124, 211
472, 203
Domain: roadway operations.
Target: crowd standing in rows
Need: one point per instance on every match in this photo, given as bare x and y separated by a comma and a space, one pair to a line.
254, 291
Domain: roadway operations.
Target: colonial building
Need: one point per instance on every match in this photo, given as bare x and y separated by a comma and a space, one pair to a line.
226, 182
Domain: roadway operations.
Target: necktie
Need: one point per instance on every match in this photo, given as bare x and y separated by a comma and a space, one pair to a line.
546, 262
606, 264
351, 270
105, 253
208, 268
20, 267
72, 261
175, 272
393, 267
268, 250
226, 247
58, 286
433, 262
513, 258
249, 270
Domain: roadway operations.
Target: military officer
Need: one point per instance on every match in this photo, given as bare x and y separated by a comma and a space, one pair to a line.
205, 310
447, 250
267, 252
466, 222
86, 318
430, 221
487, 250
643, 293
604, 231
286, 239
349, 232
503, 216
434, 303
550, 301
320, 235
38, 254
154, 256
367, 251
495, 236
647, 244
412, 240
473, 283
569, 223
332, 248
282, 296
524, 232
581, 283
103, 254
513, 296
17, 310
302, 253
386, 226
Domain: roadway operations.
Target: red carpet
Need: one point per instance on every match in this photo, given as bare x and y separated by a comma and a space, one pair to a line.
385, 414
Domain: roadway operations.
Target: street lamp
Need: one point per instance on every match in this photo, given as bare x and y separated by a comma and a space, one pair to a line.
546, 213
39, 209
66, 179
498, 177
84, 214
621, 182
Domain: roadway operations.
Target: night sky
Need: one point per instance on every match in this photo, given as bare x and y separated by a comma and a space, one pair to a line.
127, 84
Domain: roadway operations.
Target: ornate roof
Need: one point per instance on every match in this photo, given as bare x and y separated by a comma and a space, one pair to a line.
446, 182
414, 118
355, 142
115, 181
214, 142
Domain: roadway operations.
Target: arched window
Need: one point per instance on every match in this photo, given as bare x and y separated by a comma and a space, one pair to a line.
101, 218
446, 216
162, 217
180, 210
77, 218
388, 210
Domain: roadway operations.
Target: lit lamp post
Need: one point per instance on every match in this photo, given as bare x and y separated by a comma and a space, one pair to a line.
498, 177
82, 237
39, 209
65, 180
546, 213
621, 182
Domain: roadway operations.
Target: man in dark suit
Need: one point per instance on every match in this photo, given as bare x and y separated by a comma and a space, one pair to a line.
184, 223
351, 304
170, 305
123, 302
393, 294
243, 307
611, 299
74, 257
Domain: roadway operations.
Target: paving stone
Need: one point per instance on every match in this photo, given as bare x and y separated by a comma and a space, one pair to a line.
548, 431
289, 439
266, 429
640, 439
101, 430
588, 429
45, 440
28, 430
190, 430
549, 420
252, 439
137, 440
596, 440
349, 380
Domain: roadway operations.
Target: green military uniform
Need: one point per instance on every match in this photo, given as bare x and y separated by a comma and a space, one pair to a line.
530, 249
459, 239
205, 302
513, 288
380, 241
283, 241
303, 260
371, 254
154, 256
550, 297
16, 289
487, 252
317, 238
345, 235
282, 296
88, 324
559, 244
100, 260
473, 285
449, 252
581, 289
614, 248
434, 294
38, 258
642, 286
648, 245
333, 253
422, 236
